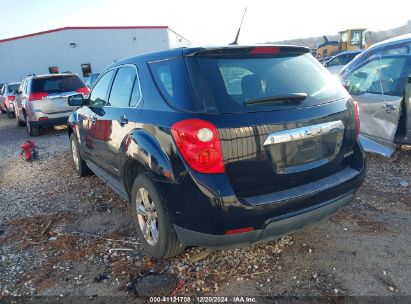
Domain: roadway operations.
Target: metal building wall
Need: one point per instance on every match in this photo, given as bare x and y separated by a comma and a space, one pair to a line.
98, 47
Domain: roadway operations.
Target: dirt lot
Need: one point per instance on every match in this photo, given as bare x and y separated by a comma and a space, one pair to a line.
65, 235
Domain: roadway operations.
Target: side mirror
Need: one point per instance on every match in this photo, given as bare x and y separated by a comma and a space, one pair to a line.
76, 100
326, 64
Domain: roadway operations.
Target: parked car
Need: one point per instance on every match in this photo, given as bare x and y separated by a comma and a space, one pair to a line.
42, 100
337, 62
90, 80
7, 96
379, 79
220, 147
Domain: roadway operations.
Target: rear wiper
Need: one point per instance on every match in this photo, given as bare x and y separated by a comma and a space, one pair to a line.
277, 100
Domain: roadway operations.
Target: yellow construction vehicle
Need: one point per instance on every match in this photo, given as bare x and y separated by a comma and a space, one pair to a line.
351, 39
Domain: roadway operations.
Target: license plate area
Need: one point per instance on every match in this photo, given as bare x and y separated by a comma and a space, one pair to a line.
302, 149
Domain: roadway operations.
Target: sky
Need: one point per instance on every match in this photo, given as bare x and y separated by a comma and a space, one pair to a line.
207, 22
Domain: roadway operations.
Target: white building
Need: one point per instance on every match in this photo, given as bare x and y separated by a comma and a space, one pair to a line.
80, 49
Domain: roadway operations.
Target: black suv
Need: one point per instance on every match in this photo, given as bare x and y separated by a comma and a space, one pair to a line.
220, 147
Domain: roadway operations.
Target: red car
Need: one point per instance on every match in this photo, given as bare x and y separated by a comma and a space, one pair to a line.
7, 96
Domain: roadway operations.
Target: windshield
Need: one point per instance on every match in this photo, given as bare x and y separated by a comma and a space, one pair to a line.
234, 81
13, 87
56, 84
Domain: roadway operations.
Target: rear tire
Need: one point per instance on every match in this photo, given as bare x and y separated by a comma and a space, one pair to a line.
79, 163
32, 131
167, 243
19, 122
10, 114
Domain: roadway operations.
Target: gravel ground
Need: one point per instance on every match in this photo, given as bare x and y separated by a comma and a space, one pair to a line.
65, 235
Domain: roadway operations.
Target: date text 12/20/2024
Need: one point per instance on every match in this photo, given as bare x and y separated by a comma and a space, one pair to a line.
235, 299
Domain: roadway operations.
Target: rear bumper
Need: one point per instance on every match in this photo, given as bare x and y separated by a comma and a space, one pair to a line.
50, 122
273, 228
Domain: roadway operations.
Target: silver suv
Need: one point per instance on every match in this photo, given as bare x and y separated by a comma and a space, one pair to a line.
42, 100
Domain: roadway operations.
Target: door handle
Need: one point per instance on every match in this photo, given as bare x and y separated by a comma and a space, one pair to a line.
389, 108
123, 120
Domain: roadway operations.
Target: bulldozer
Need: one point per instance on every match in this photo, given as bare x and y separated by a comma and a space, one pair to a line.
350, 39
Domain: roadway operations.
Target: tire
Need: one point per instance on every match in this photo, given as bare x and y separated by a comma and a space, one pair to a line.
79, 163
10, 114
19, 122
32, 131
167, 244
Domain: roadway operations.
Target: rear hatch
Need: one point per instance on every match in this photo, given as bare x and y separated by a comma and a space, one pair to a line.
53, 91
283, 120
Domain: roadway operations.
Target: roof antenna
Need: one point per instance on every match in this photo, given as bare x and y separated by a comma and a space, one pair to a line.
239, 29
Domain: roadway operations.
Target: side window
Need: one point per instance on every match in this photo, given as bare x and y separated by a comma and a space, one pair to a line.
391, 74
135, 94
379, 76
334, 62
171, 78
398, 50
122, 88
365, 79
99, 93
2, 90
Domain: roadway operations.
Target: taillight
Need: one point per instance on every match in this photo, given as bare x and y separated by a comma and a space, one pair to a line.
199, 145
11, 97
265, 50
357, 118
84, 90
37, 95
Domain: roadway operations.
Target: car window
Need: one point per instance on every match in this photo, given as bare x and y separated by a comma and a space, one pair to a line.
172, 80
122, 88
399, 50
335, 61
99, 93
235, 81
13, 87
365, 79
379, 76
232, 76
136, 93
57, 84
391, 70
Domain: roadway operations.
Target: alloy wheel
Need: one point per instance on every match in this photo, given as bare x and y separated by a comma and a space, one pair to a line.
147, 216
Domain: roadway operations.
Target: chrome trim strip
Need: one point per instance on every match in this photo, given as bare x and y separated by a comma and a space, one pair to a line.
304, 132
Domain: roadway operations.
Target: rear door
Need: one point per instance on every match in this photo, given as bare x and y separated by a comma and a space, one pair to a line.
378, 87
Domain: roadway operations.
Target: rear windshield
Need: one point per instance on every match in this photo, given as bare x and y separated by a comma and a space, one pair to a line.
57, 84
234, 81
13, 87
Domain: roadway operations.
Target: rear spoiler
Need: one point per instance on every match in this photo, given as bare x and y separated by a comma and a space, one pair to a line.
249, 50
